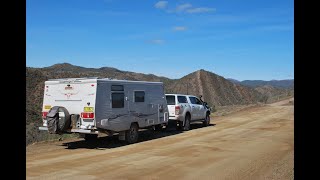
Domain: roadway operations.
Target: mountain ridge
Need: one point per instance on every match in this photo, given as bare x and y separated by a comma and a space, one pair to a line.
65, 66
284, 83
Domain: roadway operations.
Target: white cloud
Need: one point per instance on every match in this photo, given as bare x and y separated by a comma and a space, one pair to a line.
200, 10
156, 41
161, 4
183, 7
179, 28
190, 9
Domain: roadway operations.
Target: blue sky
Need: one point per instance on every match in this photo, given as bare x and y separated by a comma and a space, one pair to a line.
248, 39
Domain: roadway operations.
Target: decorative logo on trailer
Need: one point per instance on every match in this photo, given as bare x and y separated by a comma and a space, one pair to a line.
69, 94
69, 91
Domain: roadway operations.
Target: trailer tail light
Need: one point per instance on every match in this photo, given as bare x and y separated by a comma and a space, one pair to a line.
44, 115
177, 110
87, 115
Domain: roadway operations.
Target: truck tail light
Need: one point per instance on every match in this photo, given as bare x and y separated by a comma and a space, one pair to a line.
87, 115
177, 110
44, 115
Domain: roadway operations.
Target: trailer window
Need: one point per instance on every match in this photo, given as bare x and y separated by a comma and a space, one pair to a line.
139, 96
117, 88
117, 100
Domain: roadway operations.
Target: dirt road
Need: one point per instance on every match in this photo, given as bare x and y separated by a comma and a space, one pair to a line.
254, 143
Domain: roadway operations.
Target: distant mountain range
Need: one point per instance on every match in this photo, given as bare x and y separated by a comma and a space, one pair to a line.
287, 83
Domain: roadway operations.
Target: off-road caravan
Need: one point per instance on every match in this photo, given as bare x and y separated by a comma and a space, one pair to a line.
92, 105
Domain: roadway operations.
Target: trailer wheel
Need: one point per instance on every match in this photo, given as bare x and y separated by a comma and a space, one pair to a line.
90, 137
132, 134
186, 126
206, 121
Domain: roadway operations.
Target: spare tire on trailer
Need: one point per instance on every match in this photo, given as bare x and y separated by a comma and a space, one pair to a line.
58, 119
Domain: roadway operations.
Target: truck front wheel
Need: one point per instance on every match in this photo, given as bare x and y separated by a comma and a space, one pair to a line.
206, 121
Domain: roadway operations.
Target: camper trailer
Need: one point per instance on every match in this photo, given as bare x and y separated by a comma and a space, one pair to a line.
90, 106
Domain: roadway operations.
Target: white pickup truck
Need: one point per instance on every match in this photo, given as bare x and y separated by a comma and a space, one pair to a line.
184, 109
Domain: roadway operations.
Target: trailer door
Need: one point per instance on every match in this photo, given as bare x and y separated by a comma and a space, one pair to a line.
119, 103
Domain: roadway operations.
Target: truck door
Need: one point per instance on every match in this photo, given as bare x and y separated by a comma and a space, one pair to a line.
201, 109
183, 102
194, 108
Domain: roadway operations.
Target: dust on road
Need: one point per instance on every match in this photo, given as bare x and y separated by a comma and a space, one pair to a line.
254, 143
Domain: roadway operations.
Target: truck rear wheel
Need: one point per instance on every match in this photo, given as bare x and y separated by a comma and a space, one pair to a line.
186, 126
132, 134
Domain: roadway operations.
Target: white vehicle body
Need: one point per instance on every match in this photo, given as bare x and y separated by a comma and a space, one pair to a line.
181, 105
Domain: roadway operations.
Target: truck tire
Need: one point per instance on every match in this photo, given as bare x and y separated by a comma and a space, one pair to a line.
132, 134
206, 121
64, 122
90, 137
186, 126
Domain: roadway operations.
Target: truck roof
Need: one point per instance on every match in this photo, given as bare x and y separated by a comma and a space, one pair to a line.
181, 95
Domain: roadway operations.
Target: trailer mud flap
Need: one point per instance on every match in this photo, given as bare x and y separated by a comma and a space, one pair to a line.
52, 120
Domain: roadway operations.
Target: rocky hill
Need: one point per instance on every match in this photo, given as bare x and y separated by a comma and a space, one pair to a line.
215, 89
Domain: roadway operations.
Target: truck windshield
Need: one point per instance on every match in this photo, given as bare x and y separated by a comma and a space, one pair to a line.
171, 100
